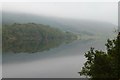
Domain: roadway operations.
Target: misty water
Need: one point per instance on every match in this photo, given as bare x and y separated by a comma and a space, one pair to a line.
95, 22
64, 61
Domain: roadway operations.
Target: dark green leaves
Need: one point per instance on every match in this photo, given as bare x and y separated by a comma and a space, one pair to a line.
103, 65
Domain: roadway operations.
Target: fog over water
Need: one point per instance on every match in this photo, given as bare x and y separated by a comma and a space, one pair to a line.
66, 60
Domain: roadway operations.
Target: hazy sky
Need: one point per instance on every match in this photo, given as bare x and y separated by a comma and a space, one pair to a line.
101, 11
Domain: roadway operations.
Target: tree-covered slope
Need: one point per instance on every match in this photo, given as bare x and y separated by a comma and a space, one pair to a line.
32, 37
77, 26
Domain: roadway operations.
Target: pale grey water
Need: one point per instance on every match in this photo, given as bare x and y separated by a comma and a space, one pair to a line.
60, 62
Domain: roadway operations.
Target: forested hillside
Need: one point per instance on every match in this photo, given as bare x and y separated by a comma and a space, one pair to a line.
32, 37
75, 25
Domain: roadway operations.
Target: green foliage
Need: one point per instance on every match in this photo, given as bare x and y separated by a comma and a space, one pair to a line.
103, 65
32, 37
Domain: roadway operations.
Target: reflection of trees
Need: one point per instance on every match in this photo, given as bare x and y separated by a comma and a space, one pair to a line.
33, 37
31, 46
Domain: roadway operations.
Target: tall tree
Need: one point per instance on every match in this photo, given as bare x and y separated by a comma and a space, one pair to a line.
102, 64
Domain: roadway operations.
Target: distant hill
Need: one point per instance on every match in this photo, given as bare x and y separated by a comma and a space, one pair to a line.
76, 26
32, 37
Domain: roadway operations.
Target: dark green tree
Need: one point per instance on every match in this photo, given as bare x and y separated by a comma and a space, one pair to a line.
101, 64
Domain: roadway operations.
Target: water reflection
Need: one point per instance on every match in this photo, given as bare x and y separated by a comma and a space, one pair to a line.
61, 62
32, 46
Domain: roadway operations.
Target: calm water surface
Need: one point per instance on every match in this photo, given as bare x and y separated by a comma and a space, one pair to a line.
60, 62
